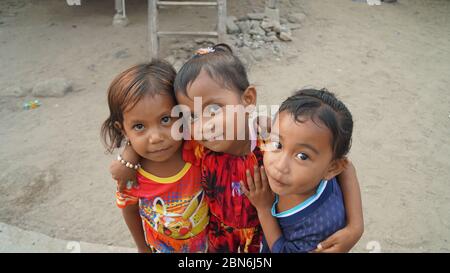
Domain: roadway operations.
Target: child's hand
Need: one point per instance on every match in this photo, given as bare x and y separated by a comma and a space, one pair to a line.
258, 192
341, 241
122, 175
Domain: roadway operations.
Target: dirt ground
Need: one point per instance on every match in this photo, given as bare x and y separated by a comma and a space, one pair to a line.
389, 63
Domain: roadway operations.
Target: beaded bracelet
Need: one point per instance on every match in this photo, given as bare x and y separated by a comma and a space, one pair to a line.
128, 164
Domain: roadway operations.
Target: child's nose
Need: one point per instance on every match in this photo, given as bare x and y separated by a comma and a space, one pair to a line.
155, 138
281, 164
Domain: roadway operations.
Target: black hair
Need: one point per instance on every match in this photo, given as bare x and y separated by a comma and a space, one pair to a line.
324, 107
220, 64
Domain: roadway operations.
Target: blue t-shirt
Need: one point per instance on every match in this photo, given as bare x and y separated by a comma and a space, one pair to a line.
311, 222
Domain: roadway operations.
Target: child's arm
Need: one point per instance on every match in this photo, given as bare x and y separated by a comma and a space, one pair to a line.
134, 222
344, 239
121, 173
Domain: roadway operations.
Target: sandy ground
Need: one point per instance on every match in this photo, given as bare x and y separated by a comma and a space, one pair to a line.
390, 64
17, 240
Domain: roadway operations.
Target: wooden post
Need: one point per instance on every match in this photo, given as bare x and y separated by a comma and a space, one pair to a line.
153, 29
221, 19
272, 4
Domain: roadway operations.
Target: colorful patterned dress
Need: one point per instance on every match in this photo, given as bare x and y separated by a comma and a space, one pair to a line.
173, 210
234, 225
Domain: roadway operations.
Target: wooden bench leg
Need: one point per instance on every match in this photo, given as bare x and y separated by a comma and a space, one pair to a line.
221, 20
153, 29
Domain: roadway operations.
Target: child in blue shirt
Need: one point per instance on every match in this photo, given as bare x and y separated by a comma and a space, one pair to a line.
310, 138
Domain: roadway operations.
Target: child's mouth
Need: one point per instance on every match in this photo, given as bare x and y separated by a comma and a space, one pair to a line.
159, 150
277, 182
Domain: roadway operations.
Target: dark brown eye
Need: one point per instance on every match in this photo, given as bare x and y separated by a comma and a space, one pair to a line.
213, 109
166, 120
138, 127
276, 145
193, 117
302, 156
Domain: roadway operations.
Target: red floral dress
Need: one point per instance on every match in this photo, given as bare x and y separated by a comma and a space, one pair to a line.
234, 225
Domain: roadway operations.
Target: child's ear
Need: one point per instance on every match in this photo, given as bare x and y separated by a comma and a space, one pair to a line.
336, 167
249, 96
119, 127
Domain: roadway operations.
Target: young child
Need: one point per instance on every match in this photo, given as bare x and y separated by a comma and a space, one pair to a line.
165, 210
219, 78
306, 151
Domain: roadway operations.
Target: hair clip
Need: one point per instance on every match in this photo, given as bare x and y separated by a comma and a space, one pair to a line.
203, 51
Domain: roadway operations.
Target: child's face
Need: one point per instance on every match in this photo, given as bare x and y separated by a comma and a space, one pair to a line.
213, 125
299, 155
148, 127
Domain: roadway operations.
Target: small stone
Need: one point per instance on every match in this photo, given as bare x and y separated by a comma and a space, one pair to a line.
246, 37
244, 26
285, 36
277, 27
15, 91
270, 25
56, 87
247, 43
267, 25
296, 18
285, 28
270, 38
232, 28
283, 21
256, 16
254, 24
257, 37
258, 31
